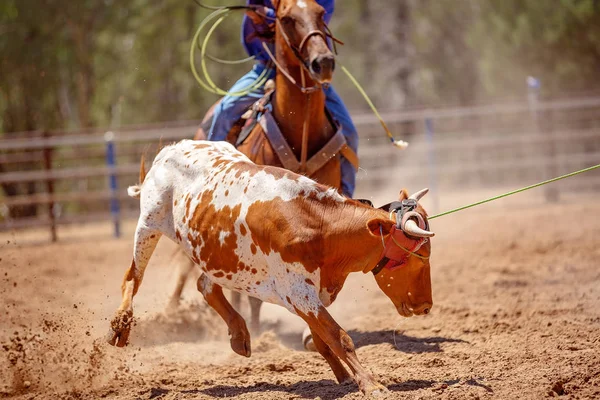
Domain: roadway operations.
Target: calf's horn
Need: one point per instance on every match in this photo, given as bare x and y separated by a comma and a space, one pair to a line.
417, 196
411, 228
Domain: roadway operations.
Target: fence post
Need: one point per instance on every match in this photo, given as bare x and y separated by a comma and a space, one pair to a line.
432, 163
47, 152
115, 209
533, 93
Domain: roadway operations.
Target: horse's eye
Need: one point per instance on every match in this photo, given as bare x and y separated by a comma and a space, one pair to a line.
287, 20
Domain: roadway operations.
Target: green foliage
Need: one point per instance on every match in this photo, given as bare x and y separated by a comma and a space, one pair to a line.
74, 64
558, 42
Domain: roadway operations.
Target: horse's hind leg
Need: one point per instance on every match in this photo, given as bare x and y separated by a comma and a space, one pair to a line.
145, 243
184, 269
255, 305
236, 301
213, 294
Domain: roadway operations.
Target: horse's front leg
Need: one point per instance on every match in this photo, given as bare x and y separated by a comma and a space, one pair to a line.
238, 332
184, 269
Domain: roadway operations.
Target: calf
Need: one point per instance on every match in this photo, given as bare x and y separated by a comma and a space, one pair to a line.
279, 237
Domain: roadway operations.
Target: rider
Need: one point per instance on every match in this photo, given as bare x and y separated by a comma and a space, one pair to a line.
231, 108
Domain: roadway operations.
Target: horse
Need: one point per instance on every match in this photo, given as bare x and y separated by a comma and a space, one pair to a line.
299, 134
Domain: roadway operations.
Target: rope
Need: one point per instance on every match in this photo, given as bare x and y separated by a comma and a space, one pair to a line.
398, 143
207, 83
230, 62
515, 191
412, 253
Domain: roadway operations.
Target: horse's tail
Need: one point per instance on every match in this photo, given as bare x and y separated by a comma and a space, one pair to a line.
135, 190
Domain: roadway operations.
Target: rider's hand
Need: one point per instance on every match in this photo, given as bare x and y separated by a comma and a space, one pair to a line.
263, 19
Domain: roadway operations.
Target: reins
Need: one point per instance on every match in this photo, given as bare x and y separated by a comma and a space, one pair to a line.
302, 87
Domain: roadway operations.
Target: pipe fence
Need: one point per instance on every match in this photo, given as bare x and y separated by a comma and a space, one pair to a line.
56, 178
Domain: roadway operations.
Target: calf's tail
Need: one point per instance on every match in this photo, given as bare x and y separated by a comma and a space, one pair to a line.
135, 190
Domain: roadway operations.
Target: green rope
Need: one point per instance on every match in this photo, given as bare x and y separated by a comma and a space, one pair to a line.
516, 191
398, 143
230, 62
207, 83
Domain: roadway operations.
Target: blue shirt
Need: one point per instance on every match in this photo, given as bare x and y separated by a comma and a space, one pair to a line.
254, 46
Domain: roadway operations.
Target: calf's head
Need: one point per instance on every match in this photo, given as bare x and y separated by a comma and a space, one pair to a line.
403, 273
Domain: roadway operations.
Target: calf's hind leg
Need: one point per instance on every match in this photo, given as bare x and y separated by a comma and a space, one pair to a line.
238, 332
120, 326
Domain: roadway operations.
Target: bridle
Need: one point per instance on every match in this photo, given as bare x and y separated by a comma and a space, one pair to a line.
390, 258
297, 51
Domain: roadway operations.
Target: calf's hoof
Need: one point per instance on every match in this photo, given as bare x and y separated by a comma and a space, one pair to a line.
240, 343
120, 326
374, 389
307, 340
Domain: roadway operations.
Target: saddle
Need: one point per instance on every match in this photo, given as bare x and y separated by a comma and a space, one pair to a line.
260, 113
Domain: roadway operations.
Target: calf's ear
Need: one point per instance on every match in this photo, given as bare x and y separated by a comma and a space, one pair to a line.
403, 195
379, 226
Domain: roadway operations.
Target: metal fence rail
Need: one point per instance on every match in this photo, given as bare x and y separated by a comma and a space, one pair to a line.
74, 177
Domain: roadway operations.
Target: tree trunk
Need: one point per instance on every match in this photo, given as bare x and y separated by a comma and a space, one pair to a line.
392, 52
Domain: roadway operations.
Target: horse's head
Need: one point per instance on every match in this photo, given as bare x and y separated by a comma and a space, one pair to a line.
403, 274
302, 34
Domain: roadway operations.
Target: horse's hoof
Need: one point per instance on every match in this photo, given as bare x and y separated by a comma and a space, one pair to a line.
120, 327
307, 340
171, 308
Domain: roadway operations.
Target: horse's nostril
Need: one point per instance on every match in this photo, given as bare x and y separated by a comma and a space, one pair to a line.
332, 64
426, 311
316, 66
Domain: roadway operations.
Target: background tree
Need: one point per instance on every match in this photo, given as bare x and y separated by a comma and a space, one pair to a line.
73, 65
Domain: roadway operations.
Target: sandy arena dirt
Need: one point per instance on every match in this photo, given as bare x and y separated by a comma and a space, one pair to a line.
516, 315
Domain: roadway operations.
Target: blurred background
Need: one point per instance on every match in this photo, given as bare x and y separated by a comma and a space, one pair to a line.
491, 94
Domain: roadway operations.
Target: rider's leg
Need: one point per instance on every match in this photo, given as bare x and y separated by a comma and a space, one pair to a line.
231, 108
339, 111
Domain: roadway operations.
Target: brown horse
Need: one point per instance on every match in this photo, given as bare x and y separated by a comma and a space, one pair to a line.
313, 145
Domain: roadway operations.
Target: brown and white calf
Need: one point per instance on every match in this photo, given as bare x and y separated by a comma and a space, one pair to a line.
276, 236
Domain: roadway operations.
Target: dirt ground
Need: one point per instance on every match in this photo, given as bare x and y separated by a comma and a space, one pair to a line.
516, 315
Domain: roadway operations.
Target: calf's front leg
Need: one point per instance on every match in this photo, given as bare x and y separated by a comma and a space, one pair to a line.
324, 327
341, 374
238, 332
